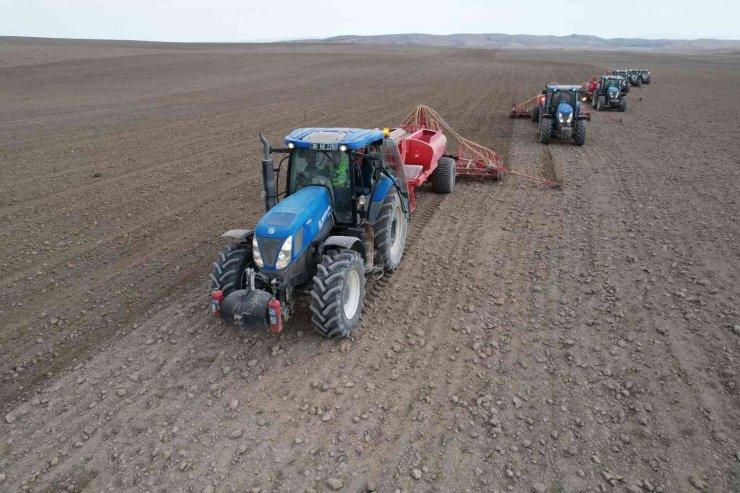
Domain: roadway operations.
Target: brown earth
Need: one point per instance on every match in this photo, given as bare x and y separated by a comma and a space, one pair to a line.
581, 339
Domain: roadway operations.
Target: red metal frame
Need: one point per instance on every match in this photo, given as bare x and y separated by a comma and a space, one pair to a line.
471, 159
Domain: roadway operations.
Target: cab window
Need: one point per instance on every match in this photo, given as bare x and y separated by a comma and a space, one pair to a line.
330, 169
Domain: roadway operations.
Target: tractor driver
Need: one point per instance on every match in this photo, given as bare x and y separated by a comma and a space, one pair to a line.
340, 176
331, 170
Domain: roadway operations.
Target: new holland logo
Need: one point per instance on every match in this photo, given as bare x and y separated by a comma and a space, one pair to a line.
324, 216
270, 231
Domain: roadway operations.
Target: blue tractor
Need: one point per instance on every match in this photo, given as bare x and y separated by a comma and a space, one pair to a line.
626, 83
342, 217
560, 115
608, 94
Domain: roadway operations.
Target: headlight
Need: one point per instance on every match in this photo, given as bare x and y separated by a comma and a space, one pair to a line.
284, 256
570, 117
560, 117
256, 254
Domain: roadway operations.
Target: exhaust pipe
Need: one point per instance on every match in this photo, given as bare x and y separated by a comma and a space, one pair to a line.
268, 175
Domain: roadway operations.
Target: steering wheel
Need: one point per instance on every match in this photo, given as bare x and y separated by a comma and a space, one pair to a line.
321, 180
301, 179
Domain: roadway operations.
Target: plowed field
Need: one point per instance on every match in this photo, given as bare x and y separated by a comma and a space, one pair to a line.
579, 339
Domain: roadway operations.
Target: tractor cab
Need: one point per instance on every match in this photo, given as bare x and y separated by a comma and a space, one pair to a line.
347, 162
562, 103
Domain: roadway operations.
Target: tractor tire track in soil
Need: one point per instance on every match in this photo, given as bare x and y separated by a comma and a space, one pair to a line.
533, 339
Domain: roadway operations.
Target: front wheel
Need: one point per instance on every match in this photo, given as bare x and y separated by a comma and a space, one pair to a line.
623, 105
229, 269
443, 178
601, 103
580, 138
545, 130
390, 231
338, 293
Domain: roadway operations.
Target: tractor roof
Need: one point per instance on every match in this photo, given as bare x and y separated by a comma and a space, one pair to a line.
563, 88
353, 138
616, 77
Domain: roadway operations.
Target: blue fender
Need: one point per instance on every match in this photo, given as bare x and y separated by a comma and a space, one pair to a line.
348, 242
382, 186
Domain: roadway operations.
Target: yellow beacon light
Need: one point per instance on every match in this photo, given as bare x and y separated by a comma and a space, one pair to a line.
386, 131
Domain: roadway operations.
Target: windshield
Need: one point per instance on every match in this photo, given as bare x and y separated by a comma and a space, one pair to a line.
611, 83
329, 169
564, 97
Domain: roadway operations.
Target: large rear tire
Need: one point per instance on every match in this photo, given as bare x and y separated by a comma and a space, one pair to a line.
535, 113
623, 105
601, 103
545, 130
626, 88
390, 231
580, 137
338, 293
229, 270
443, 178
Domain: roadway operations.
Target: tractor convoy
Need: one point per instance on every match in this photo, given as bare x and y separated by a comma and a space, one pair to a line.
342, 216
558, 109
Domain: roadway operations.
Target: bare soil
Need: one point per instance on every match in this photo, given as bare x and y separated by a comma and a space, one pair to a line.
580, 339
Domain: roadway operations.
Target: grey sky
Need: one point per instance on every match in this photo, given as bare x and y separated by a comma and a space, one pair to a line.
233, 20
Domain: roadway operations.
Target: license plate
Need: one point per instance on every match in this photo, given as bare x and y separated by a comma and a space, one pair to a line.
324, 147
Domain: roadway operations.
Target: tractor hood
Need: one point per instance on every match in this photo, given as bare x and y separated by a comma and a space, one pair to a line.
300, 217
565, 109
612, 91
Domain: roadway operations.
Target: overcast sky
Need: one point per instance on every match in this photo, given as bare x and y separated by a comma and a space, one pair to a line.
249, 20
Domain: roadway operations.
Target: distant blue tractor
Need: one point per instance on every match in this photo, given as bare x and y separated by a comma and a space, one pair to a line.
608, 94
560, 115
344, 214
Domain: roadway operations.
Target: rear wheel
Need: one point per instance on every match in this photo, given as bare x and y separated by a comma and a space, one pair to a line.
535, 113
443, 178
545, 130
580, 138
390, 231
623, 105
338, 293
626, 88
600, 104
230, 269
